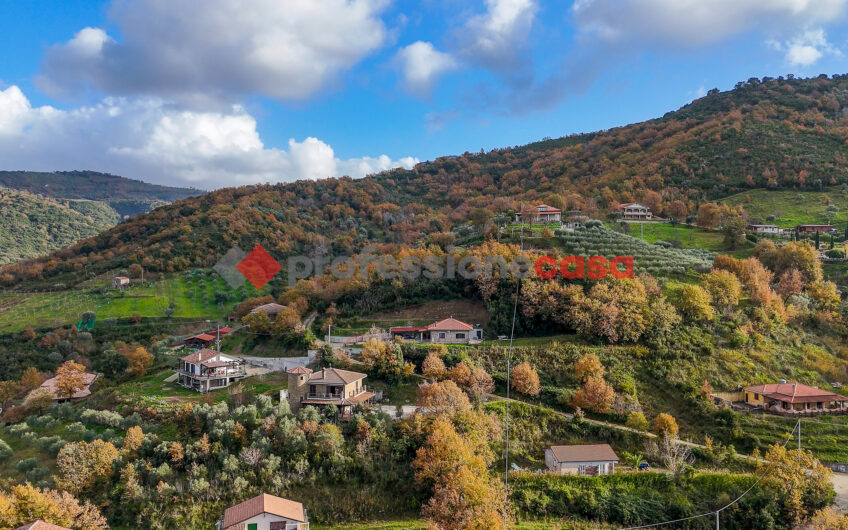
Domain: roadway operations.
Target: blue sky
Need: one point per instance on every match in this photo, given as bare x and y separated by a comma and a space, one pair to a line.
212, 93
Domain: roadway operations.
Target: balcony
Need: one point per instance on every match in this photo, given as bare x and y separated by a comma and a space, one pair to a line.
335, 395
236, 372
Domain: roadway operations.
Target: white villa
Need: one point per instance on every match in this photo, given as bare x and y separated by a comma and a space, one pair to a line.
206, 370
635, 211
596, 459
539, 214
265, 512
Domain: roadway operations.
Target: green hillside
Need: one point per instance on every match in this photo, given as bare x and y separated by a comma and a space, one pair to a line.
31, 226
788, 209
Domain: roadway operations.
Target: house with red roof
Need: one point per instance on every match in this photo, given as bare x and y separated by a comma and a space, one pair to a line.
787, 397
205, 370
541, 213
265, 512
201, 340
447, 331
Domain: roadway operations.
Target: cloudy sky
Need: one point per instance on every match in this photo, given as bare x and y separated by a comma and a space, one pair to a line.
212, 93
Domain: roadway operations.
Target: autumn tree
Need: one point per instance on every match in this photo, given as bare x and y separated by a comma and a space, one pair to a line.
724, 288
525, 379
800, 482
665, 425
790, 283
385, 360
443, 397
82, 465
802, 257
677, 211
24, 503
30, 379
588, 367
132, 441
693, 301
636, 420
433, 367
595, 395
8, 391
70, 379
139, 360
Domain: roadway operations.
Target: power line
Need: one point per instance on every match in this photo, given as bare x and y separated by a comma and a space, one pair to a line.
508, 368
734, 501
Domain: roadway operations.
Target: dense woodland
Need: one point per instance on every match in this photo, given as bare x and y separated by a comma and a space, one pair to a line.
722, 143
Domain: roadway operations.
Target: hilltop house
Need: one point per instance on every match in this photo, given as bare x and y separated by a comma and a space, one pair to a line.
329, 386
202, 340
447, 331
119, 282
794, 398
265, 512
539, 214
206, 370
52, 385
596, 459
635, 211
764, 229
811, 229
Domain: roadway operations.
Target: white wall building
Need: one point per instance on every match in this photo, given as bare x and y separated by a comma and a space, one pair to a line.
596, 459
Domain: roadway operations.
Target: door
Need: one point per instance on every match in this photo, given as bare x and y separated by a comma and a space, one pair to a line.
253, 526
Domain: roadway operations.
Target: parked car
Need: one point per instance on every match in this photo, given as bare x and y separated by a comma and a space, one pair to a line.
643, 466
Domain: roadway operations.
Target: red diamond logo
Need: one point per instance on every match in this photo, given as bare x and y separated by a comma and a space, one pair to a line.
258, 267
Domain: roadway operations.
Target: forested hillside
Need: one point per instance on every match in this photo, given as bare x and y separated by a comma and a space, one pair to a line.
126, 196
770, 133
31, 225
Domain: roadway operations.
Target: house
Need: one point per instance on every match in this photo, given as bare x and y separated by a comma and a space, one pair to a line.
328, 386
447, 331
269, 309
793, 398
765, 229
206, 370
197, 342
120, 282
539, 214
41, 525
52, 385
596, 459
635, 211
265, 512
810, 229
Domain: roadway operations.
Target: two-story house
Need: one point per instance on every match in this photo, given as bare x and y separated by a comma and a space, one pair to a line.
635, 211
539, 214
206, 370
328, 386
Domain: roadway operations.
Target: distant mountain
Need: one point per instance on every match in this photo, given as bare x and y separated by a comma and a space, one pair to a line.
771, 133
127, 197
32, 225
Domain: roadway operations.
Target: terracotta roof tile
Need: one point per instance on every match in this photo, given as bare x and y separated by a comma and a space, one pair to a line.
334, 375
260, 504
41, 525
200, 356
795, 393
450, 324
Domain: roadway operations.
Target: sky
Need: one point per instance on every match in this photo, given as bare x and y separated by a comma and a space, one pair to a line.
215, 93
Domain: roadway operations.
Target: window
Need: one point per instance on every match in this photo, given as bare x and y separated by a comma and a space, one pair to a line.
581, 469
460, 335
441, 335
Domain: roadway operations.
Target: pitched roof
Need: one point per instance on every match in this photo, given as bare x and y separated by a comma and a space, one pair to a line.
795, 393
584, 453
202, 336
541, 208
41, 525
300, 370
628, 204
450, 324
260, 504
335, 376
199, 356
271, 308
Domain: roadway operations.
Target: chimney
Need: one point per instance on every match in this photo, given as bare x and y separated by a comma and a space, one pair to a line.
783, 381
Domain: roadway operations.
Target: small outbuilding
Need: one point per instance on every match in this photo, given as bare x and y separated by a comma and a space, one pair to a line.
595, 459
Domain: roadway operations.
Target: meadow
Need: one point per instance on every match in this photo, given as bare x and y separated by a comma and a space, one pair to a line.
792, 208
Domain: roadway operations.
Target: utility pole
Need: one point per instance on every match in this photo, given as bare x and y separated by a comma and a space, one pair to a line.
718, 525
799, 441
218, 337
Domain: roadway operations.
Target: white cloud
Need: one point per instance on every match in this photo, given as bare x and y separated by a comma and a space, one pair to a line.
493, 39
422, 65
695, 22
218, 49
807, 48
149, 139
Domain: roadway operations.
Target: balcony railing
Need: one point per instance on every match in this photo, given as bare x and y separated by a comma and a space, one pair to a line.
332, 395
230, 373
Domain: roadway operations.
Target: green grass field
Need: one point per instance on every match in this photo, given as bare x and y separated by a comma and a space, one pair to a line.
792, 208
192, 296
689, 236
